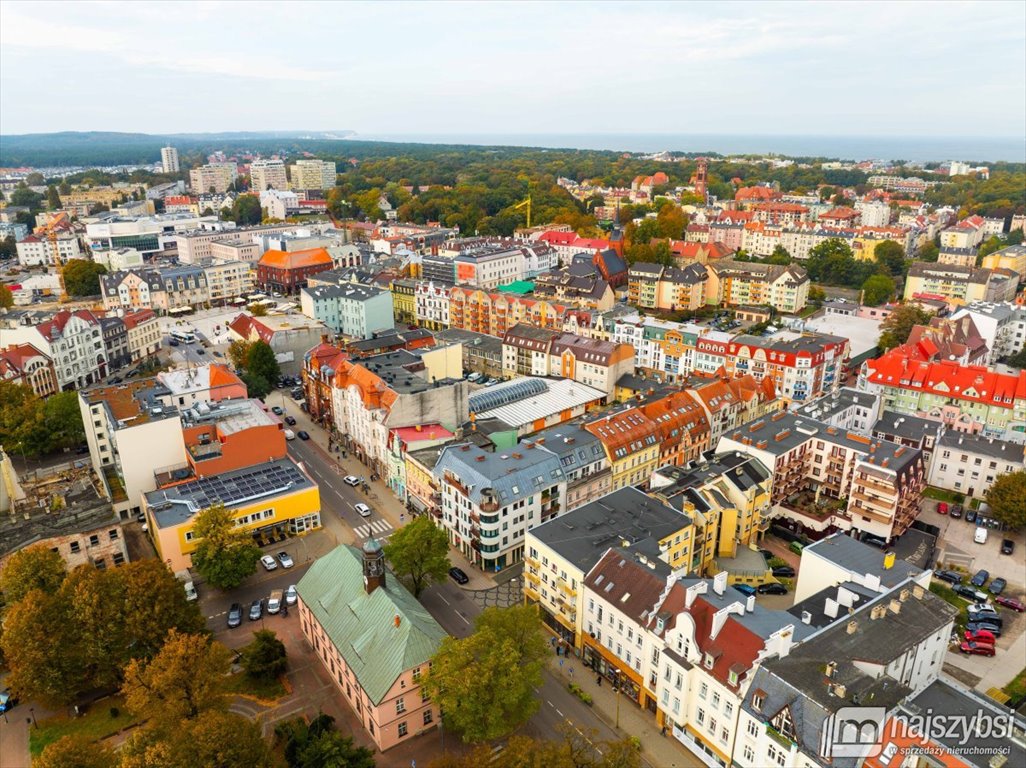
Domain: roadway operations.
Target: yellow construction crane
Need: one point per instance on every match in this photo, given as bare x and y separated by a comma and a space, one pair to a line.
520, 205
50, 231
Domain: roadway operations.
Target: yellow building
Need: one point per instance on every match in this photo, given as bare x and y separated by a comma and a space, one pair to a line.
404, 300
561, 552
631, 442
1013, 257
269, 500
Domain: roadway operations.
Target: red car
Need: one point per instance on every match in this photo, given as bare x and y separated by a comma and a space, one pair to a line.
942, 508
976, 649
1010, 602
980, 636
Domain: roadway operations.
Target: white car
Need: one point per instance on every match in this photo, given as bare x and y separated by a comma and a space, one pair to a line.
363, 510
291, 595
352, 480
290, 435
268, 562
285, 559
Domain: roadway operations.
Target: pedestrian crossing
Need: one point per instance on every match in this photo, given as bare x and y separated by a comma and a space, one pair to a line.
377, 528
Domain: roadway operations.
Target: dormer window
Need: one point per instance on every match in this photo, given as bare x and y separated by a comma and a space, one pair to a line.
757, 700
708, 661
732, 677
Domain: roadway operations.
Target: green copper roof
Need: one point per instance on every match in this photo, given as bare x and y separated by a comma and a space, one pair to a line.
517, 286
362, 626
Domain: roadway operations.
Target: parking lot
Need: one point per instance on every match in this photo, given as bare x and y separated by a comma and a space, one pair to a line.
956, 537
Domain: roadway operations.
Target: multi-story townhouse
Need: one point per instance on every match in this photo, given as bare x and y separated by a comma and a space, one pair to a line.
567, 244
560, 553
802, 367
580, 285
800, 240
631, 441
161, 290
213, 177
960, 285
268, 174
319, 367
404, 300
734, 283
908, 430
406, 440
24, 364
974, 398
41, 251
682, 428
654, 286
882, 483
115, 342
841, 217
968, 233
780, 213
721, 405
728, 497
374, 639
583, 459
845, 408
352, 310
432, 304
198, 246
960, 257
288, 271
72, 340
228, 280
969, 464
143, 334
884, 651
481, 353
661, 347
874, 213
1002, 327
495, 313
313, 174
490, 499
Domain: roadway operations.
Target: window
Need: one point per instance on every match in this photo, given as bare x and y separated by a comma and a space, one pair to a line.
428, 717
757, 699
716, 700
402, 729
753, 728
728, 709
724, 735
703, 692
700, 716
400, 706
416, 675
113, 535
749, 753
94, 540
75, 547
118, 558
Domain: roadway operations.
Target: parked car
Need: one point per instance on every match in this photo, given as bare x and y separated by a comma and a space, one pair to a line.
982, 607
984, 626
290, 435
200, 351
268, 562
987, 618
956, 511
766, 553
784, 570
291, 595
457, 575
874, 541
949, 576
352, 480
234, 615
173, 343
285, 559
980, 578
1007, 546
977, 649
303, 434
942, 507
7, 700
997, 586
274, 601
980, 636
362, 510
474, 376
256, 610
970, 593
1010, 602
980, 537
746, 589
277, 410
772, 588
290, 420
970, 515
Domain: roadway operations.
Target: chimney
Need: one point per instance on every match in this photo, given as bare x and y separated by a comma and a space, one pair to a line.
750, 604
720, 582
852, 627
806, 617
894, 606
373, 565
398, 621
830, 668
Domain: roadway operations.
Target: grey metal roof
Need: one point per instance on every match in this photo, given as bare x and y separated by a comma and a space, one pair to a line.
861, 559
983, 446
894, 424
836, 402
575, 447
513, 475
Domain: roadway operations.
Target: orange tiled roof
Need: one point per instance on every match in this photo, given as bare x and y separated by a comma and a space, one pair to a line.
295, 259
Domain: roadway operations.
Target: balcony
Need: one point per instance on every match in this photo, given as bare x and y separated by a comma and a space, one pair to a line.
532, 562
566, 588
531, 592
532, 577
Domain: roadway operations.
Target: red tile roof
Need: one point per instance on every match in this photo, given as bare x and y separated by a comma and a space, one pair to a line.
295, 259
947, 379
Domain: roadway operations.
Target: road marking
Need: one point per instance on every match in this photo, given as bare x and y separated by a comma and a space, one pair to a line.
377, 527
442, 598
558, 712
549, 703
462, 617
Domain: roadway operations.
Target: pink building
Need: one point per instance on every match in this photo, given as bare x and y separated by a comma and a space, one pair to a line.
374, 638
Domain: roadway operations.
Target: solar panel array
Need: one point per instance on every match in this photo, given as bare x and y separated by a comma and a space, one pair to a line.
518, 390
228, 489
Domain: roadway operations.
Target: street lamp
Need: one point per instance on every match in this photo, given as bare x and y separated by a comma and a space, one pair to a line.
616, 672
32, 711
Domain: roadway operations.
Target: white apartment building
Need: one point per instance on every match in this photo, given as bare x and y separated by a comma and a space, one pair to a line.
279, 204
227, 280
73, 340
169, 160
38, 251
1002, 326
116, 259
268, 174
313, 174
969, 464
213, 177
874, 213
432, 301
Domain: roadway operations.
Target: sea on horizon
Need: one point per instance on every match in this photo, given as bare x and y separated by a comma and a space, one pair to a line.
919, 149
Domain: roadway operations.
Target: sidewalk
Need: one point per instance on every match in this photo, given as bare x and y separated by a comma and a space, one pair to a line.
660, 751
384, 501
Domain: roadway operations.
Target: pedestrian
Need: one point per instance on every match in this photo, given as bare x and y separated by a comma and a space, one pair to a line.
561, 663
571, 671
598, 680
662, 731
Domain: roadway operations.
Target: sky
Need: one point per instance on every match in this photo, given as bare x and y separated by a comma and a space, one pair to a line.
864, 68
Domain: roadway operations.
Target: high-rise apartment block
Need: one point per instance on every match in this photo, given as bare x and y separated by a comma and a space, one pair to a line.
267, 174
169, 160
313, 174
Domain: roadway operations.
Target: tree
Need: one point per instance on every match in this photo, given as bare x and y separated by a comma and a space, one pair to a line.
238, 351
419, 554
265, 656
1018, 360
6, 297
35, 567
76, 752
82, 277
53, 198
779, 256
897, 326
319, 745
260, 361
35, 179
21, 418
8, 248
817, 295
485, 683
64, 188
877, 289
185, 679
575, 749
671, 221
990, 245
1015, 237
62, 421
258, 310
256, 386
891, 256
1007, 499
213, 738
224, 555
928, 251
246, 210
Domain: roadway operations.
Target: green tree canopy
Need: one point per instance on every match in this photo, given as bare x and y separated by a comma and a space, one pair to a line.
832, 263
1006, 498
265, 656
53, 198
260, 361
890, 256
928, 251
6, 297
897, 326
319, 745
62, 421
485, 683
82, 277
238, 351
35, 567
246, 210
224, 555
212, 739
419, 554
671, 221
877, 289
8, 250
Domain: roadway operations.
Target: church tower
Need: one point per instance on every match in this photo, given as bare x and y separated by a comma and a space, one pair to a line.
373, 565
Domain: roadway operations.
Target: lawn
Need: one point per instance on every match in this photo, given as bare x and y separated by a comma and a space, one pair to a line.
1017, 688
258, 688
939, 494
944, 592
95, 724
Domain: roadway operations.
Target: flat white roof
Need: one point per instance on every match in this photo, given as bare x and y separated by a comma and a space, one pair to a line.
561, 394
862, 332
